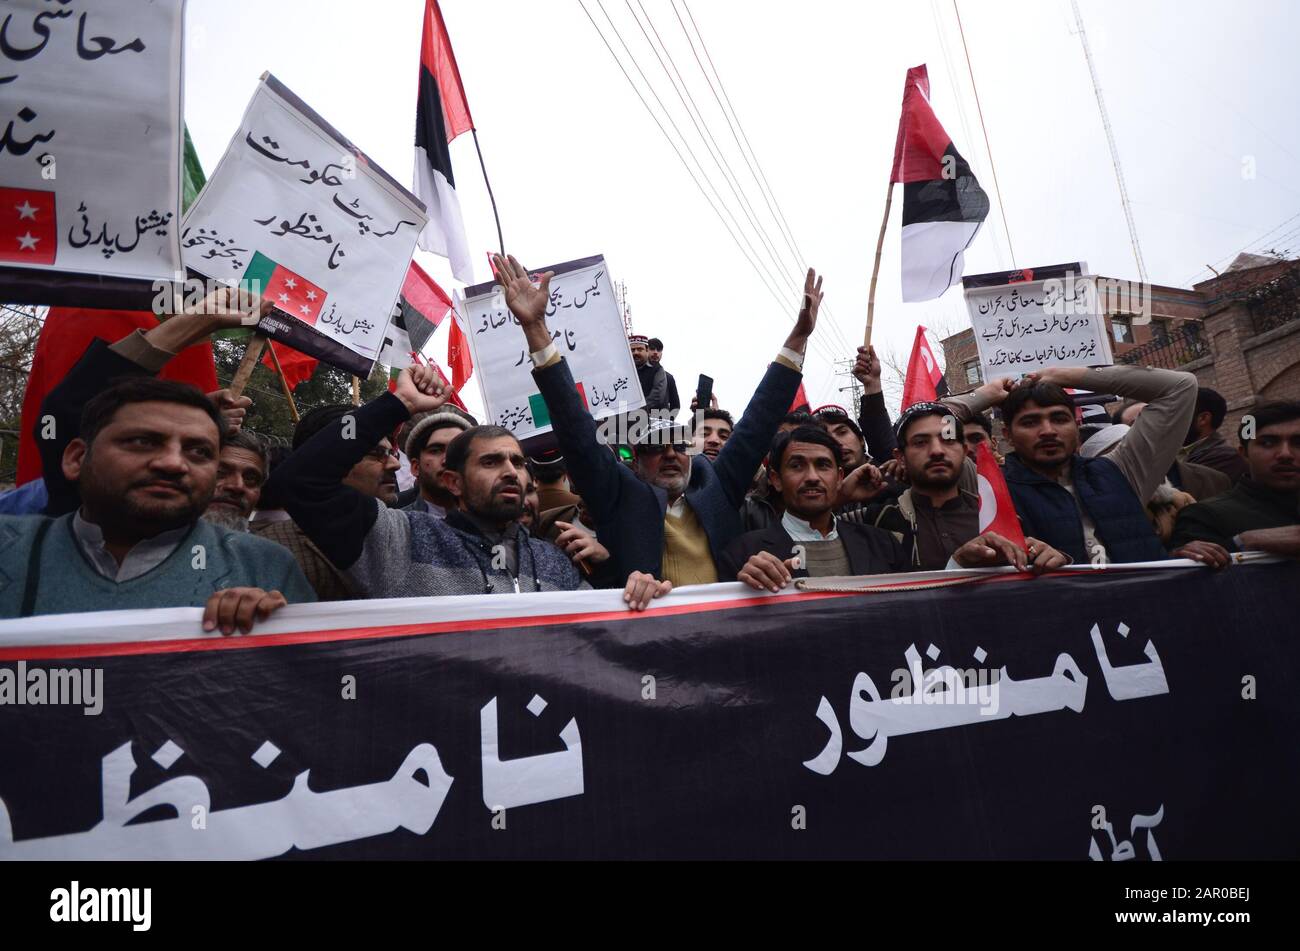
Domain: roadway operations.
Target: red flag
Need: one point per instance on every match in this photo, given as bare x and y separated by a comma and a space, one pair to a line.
28, 226
297, 366
64, 338
925, 382
458, 356
800, 404
997, 511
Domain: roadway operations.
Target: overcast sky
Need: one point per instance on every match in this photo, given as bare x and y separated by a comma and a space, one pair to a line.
1203, 98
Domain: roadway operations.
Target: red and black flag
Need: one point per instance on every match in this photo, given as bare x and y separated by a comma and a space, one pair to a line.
943, 204
442, 113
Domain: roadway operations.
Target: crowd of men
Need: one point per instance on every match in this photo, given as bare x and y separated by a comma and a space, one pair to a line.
156, 496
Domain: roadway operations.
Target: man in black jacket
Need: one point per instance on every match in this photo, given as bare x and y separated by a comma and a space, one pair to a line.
673, 517
804, 467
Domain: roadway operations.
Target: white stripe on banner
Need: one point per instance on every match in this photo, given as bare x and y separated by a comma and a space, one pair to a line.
162, 624
445, 232
933, 258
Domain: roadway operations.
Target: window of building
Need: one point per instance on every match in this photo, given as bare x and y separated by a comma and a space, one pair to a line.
972, 368
1160, 331
1121, 329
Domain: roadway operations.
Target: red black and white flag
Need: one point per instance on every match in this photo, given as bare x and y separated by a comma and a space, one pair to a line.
925, 382
943, 204
442, 113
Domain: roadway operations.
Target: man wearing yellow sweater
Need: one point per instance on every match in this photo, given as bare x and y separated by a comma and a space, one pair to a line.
668, 522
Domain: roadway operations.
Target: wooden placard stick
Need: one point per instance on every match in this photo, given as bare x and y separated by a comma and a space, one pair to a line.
255, 346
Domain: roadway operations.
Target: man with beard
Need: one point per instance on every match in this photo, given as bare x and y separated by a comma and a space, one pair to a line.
937, 518
374, 475
654, 378
1266, 500
241, 472
1093, 510
655, 356
667, 522
479, 548
143, 466
426, 447
805, 469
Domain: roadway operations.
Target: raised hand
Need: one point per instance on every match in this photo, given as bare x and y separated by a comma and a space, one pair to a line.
808, 308
233, 409
866, 369
862, 484
525, 301
421, 390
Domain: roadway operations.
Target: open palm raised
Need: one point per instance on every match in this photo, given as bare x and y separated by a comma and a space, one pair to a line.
526, 301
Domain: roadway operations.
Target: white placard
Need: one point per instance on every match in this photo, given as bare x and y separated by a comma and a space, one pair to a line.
90, 137
328, 233
1030, 326
587, 329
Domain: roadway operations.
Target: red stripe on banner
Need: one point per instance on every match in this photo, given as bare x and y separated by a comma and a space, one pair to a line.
249, 642
246, 642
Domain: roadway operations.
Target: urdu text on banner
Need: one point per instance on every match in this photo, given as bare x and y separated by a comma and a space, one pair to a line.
90, 148
587, 330
296, 210
1056, 322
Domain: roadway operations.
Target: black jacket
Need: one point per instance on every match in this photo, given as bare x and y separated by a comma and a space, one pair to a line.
871, 550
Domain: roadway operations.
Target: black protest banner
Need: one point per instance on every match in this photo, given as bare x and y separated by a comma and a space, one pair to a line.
1113, 715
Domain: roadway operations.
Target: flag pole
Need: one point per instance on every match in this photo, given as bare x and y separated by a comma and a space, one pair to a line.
500, 240
247, 364
284, 385
875, 270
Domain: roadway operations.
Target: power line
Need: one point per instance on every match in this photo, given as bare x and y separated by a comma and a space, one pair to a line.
980, 110
1250, 244
755, 167
716, 153
690, 171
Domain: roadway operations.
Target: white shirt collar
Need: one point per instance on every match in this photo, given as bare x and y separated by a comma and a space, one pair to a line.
142, 558
801, 531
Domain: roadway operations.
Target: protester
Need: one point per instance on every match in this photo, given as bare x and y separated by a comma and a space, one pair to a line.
553, 490
1267, 498
653, 378
1201, 482
143, 467
672, 518
846, 432
375, 476
532, 499
978, 432
241, 473
1204, 446
937, 517
1167, 500
655, 348
479, 548
426, 446
711, 428
805, 469
1093, 510
873, 418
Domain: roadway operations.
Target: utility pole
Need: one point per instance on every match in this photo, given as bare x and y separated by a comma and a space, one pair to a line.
854, 387
1114, 149
620, 296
